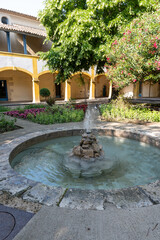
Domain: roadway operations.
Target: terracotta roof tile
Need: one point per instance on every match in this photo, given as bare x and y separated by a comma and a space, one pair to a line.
17, 13
23, 29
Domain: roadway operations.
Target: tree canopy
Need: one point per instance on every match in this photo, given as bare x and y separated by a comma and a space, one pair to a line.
82, 30
135, 57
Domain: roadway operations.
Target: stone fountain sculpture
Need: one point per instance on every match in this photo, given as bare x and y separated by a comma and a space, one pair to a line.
88, 147
87, 159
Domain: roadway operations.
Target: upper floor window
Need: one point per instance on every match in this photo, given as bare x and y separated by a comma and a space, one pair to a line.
4, 20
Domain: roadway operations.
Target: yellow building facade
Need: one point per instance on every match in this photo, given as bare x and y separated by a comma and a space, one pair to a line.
23, 74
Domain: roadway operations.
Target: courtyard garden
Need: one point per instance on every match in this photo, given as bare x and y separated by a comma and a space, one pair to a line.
44, 114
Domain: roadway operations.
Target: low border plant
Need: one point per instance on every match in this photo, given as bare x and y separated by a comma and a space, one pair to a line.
119, 110
6, 124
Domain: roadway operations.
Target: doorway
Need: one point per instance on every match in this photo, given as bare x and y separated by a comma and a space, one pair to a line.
58, 90
3, 90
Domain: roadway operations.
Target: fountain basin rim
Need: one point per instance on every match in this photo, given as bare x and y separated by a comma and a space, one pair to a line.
19, 144
48, 135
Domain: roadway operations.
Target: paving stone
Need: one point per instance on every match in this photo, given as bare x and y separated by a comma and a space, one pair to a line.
6, 172
47, 195
16, 185
82, 199
127, 198
152, 191
12, 221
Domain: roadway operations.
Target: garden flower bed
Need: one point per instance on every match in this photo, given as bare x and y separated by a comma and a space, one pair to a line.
51, 114
81, 107
118, 110
24, 113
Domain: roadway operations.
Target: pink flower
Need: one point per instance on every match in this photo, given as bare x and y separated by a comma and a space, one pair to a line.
156, 37
124, 33
123, 38
140, 44
115, 42
155, 45
122, 72
134, 80
108, 58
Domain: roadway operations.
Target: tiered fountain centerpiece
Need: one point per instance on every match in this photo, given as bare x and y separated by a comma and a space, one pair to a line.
87, 159
88, 147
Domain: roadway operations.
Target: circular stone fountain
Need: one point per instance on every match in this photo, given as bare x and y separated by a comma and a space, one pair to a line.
50, 162
102, 160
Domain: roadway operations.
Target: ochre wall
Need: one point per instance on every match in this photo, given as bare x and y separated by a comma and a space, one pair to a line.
17, 43
19, 85
101, 81
150, 90
35, 44
78, 90
47, 81
127, 91
3, 41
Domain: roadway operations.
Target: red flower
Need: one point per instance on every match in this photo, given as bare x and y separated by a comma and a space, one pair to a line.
155, 45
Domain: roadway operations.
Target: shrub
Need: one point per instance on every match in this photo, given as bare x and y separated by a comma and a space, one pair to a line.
134, 55
34, 106
44, 92
118, 110
6, 125
4, 109
50, 101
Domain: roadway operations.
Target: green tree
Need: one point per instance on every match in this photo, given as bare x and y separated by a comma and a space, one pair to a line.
80, 30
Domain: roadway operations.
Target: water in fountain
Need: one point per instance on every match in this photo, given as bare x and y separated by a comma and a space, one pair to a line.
90, 117
87, 159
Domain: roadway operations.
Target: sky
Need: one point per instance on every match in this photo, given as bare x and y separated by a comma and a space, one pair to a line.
30, 7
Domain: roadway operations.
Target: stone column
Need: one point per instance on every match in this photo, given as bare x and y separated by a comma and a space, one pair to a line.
110, 89
35, 82
92, 84
67, 90
136, 90
35, 90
